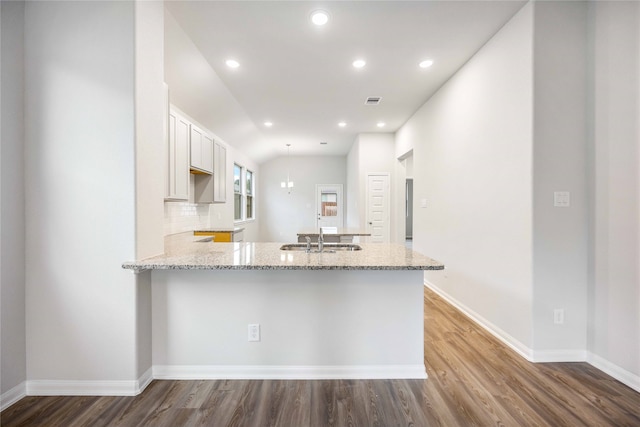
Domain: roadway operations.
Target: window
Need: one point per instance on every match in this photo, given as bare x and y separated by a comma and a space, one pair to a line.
329, 204
237, 193
243, 193
249, 190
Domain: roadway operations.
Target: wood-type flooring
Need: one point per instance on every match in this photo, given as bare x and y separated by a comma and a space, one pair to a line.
474, 380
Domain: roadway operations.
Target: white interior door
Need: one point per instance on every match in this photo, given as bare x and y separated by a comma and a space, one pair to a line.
378, 220
329, 205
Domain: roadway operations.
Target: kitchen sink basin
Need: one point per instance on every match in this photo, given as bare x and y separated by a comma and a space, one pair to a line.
328, 247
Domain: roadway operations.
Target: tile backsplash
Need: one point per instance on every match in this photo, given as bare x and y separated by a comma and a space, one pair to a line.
183, 216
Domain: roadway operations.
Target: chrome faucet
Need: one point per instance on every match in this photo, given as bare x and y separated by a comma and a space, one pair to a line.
308, 239
320, 241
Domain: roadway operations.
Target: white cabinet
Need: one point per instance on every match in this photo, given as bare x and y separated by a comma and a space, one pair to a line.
177, 161
207, 153
192, 152
201, 150
220, 173
213, 188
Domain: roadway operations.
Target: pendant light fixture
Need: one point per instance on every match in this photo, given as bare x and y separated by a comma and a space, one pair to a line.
288, 185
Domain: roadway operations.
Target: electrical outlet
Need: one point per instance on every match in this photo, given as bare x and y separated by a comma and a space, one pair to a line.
254, 332
558, 316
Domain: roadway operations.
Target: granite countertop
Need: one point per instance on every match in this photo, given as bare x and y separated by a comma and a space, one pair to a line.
183, 252
219, 230
339, 232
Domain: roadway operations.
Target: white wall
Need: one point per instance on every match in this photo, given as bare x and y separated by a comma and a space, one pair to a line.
614, 311
197, 91
371, 153
12, 223
352, 219
560, 235
282, 215
149, 95
80, 194
549, 104
472, 163
149, 163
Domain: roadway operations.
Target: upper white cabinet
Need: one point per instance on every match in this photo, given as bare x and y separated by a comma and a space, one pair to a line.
207, 153
220, 173
213, 188
192, 152
201, 150
177, 160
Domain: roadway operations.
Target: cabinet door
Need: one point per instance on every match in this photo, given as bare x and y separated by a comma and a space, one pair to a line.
201, 150
220, 173
196, 147
178, 158
207, 153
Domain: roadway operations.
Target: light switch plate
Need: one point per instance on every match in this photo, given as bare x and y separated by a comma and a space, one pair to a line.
561, 199
423, 203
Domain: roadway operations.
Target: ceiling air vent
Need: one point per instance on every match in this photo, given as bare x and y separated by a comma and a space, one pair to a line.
372, 100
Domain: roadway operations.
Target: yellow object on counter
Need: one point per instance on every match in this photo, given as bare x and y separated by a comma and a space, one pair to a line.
218, 237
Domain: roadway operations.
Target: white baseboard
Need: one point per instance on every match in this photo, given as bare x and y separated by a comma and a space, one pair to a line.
545, 356
133, 388
504, 337
89, 388
625, 377
174, 372
145, 380
10, 397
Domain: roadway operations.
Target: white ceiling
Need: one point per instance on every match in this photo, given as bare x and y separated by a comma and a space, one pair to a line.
300, 76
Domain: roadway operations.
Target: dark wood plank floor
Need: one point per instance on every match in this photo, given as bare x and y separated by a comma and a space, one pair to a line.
474, 380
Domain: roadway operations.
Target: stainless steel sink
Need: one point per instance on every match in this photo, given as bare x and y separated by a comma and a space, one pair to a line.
328, 247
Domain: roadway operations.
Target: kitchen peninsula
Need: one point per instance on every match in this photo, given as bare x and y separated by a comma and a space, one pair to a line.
348, 314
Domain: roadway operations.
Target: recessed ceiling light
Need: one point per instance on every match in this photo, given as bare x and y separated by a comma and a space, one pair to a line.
232, 63
319, 17
342, 124
426, 63
268, 124
380, 124
359, 63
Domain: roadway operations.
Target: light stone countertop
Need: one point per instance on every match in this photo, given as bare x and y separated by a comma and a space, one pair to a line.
219, 230
183, 253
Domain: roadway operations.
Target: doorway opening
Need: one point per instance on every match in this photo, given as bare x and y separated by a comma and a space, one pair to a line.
408, 226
